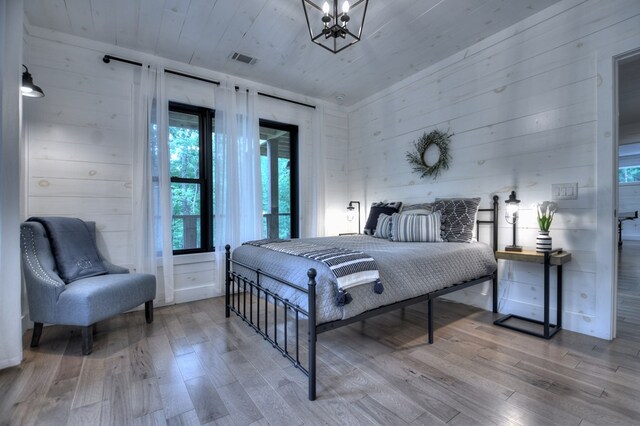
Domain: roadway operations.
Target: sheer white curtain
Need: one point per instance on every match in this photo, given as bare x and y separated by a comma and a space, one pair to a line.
152, 182
318, 171
238, 193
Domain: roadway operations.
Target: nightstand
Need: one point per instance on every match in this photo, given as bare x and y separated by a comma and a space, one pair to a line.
555, 258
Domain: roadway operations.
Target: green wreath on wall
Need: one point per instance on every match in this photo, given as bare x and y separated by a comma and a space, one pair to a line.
416, 158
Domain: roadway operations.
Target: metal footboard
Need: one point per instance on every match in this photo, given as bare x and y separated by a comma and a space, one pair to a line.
239, 288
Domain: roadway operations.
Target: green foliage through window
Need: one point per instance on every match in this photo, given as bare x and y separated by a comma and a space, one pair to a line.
629, 174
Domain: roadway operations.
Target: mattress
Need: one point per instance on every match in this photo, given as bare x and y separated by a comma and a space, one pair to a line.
407, 270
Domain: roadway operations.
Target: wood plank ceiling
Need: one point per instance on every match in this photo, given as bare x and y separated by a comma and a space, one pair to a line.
400, 38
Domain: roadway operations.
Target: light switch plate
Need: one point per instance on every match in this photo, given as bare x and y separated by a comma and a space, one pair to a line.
564, 191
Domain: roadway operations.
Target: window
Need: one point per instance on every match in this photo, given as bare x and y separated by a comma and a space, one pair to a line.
629, 174
192, 168
279, 171
191, 131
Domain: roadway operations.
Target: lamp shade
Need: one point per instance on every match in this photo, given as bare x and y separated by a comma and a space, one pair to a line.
513, 207
28, 88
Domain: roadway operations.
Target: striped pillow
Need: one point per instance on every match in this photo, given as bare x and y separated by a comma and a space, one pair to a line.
383, 228
416, 227
458, 218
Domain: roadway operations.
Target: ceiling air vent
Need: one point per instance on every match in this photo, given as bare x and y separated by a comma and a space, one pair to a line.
243, 58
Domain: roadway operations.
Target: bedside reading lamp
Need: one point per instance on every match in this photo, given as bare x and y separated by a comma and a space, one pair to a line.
511, 215
351, 213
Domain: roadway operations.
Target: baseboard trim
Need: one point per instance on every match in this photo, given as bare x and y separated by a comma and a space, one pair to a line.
190, 294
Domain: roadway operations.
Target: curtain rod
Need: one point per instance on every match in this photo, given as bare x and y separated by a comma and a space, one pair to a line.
108, 58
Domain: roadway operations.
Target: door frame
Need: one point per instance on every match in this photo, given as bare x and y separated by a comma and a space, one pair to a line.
606, 247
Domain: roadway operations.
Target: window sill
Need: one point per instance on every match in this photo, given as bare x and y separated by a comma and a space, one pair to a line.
184, 259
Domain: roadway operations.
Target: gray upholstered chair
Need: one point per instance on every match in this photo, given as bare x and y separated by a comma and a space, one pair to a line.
79, 303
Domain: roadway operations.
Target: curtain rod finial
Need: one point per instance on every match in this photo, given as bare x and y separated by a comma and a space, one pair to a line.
106, 59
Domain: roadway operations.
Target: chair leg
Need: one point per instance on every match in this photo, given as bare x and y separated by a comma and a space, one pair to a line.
37, 332
148, 311
87, 339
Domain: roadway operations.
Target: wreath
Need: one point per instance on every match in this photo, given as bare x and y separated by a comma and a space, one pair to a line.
416, 158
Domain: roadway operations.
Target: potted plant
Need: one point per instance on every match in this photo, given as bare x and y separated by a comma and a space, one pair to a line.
545, 212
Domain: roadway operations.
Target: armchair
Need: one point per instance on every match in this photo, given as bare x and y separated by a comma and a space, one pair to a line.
82, 302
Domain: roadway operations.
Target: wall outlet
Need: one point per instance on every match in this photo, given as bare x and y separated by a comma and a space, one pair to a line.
564, 191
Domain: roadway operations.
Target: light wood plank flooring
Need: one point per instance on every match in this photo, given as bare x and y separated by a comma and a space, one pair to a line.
193, 366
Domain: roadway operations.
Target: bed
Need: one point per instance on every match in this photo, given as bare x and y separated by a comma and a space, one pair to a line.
278, 294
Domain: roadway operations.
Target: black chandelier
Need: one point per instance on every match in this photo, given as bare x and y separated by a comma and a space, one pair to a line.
330, 27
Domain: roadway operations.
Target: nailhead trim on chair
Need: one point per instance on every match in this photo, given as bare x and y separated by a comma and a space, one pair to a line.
32, 259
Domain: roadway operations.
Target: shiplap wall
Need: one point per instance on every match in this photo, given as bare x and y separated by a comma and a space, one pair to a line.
79, 144
522, 105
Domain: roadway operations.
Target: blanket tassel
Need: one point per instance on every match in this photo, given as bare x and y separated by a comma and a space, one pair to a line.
343, 298
378, 288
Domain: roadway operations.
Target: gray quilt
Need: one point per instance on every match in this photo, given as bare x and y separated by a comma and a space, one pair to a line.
406, 269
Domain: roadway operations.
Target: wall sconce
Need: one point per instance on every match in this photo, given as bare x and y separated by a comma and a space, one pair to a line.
351, 212
28, 88
511, 215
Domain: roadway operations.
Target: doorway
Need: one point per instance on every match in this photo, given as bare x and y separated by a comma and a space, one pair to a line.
628, 190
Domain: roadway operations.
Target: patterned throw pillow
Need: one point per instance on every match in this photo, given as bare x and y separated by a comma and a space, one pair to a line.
383, 229
458, 218
376, 210
416, 227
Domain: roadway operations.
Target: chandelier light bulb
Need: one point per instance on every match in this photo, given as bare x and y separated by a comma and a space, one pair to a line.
345, 7
325, 8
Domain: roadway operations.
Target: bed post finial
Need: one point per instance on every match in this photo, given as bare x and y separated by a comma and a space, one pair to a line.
227, 282
311, 307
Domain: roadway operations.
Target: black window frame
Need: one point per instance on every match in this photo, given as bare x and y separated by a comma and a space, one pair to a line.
205, 173
294, 170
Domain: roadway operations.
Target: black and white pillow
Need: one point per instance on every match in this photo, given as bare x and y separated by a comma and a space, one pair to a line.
383, 229
416, 227
458, 218
376, 210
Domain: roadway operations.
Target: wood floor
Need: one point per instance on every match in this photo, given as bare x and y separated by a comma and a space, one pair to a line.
193, 366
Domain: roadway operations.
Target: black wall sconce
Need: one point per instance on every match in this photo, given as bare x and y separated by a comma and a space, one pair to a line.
511, 215
28, 88
351, 212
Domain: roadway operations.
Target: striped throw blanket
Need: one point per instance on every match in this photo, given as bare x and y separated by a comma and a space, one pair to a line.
350, 268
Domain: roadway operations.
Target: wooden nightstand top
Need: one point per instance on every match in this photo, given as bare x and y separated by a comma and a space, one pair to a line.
533, 256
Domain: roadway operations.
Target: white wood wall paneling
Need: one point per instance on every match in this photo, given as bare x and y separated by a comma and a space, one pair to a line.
267, 43
148, 23
531, 36
71, 136
224, 15
125, 20
80, 17
76, 134
52, 14
82, 188
523, 136
170, 28
195, 25
103, 14
77, 152
68, 206
43, 168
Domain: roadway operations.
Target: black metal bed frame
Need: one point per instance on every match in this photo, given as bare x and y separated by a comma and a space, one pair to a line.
238, 288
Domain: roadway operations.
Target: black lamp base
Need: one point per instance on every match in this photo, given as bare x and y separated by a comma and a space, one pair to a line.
513, 248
